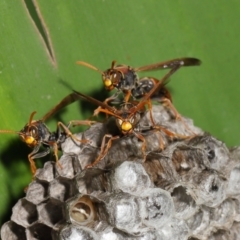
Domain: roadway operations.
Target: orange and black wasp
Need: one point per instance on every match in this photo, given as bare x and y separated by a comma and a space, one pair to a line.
124, 78
36, 134
128, 117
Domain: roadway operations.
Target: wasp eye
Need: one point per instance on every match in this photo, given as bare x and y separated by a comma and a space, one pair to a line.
132, 120
120, 122
33, 131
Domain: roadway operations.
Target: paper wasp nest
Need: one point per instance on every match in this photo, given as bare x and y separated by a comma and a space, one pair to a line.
189, 190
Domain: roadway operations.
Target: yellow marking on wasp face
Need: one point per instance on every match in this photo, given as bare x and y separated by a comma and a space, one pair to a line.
107, 83
126, 126
29, 140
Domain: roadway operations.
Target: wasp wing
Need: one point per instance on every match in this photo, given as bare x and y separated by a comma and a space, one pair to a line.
70, 98
186, 61
110, 109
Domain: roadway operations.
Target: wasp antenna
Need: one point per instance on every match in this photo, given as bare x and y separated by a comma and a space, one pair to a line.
9, 131
113, 64
90, 66
31, 117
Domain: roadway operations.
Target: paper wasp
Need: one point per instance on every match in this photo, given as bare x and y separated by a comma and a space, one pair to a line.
124, 78
128, 117
36, 134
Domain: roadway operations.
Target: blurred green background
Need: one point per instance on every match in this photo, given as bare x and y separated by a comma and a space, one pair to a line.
132, 32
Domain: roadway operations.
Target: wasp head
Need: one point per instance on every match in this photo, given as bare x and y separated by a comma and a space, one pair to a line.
111, 79
126, 124
29, 134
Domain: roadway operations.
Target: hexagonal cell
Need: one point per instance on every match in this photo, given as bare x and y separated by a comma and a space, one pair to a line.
215, 150
77, 233
37, 192
47, 173
94, 179
87, 156
24, 213
223, 216
185, 158
124, 213
51, 213
13, 231
185, 205
206, 187
199, 222
122, 149
82, 210
156, 207
130, 177
70, 166
40, 231
175, 229
62, 189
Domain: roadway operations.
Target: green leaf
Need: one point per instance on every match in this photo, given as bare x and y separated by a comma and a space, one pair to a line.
132, 32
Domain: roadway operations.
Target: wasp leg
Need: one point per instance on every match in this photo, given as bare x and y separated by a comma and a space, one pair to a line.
77, 123
167, 102
55, 150
149, 103
139, 136
106, 101
161, 142
80, 122
127, 96
60, 125
178, 117
170, 134
104, 149
33, 155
